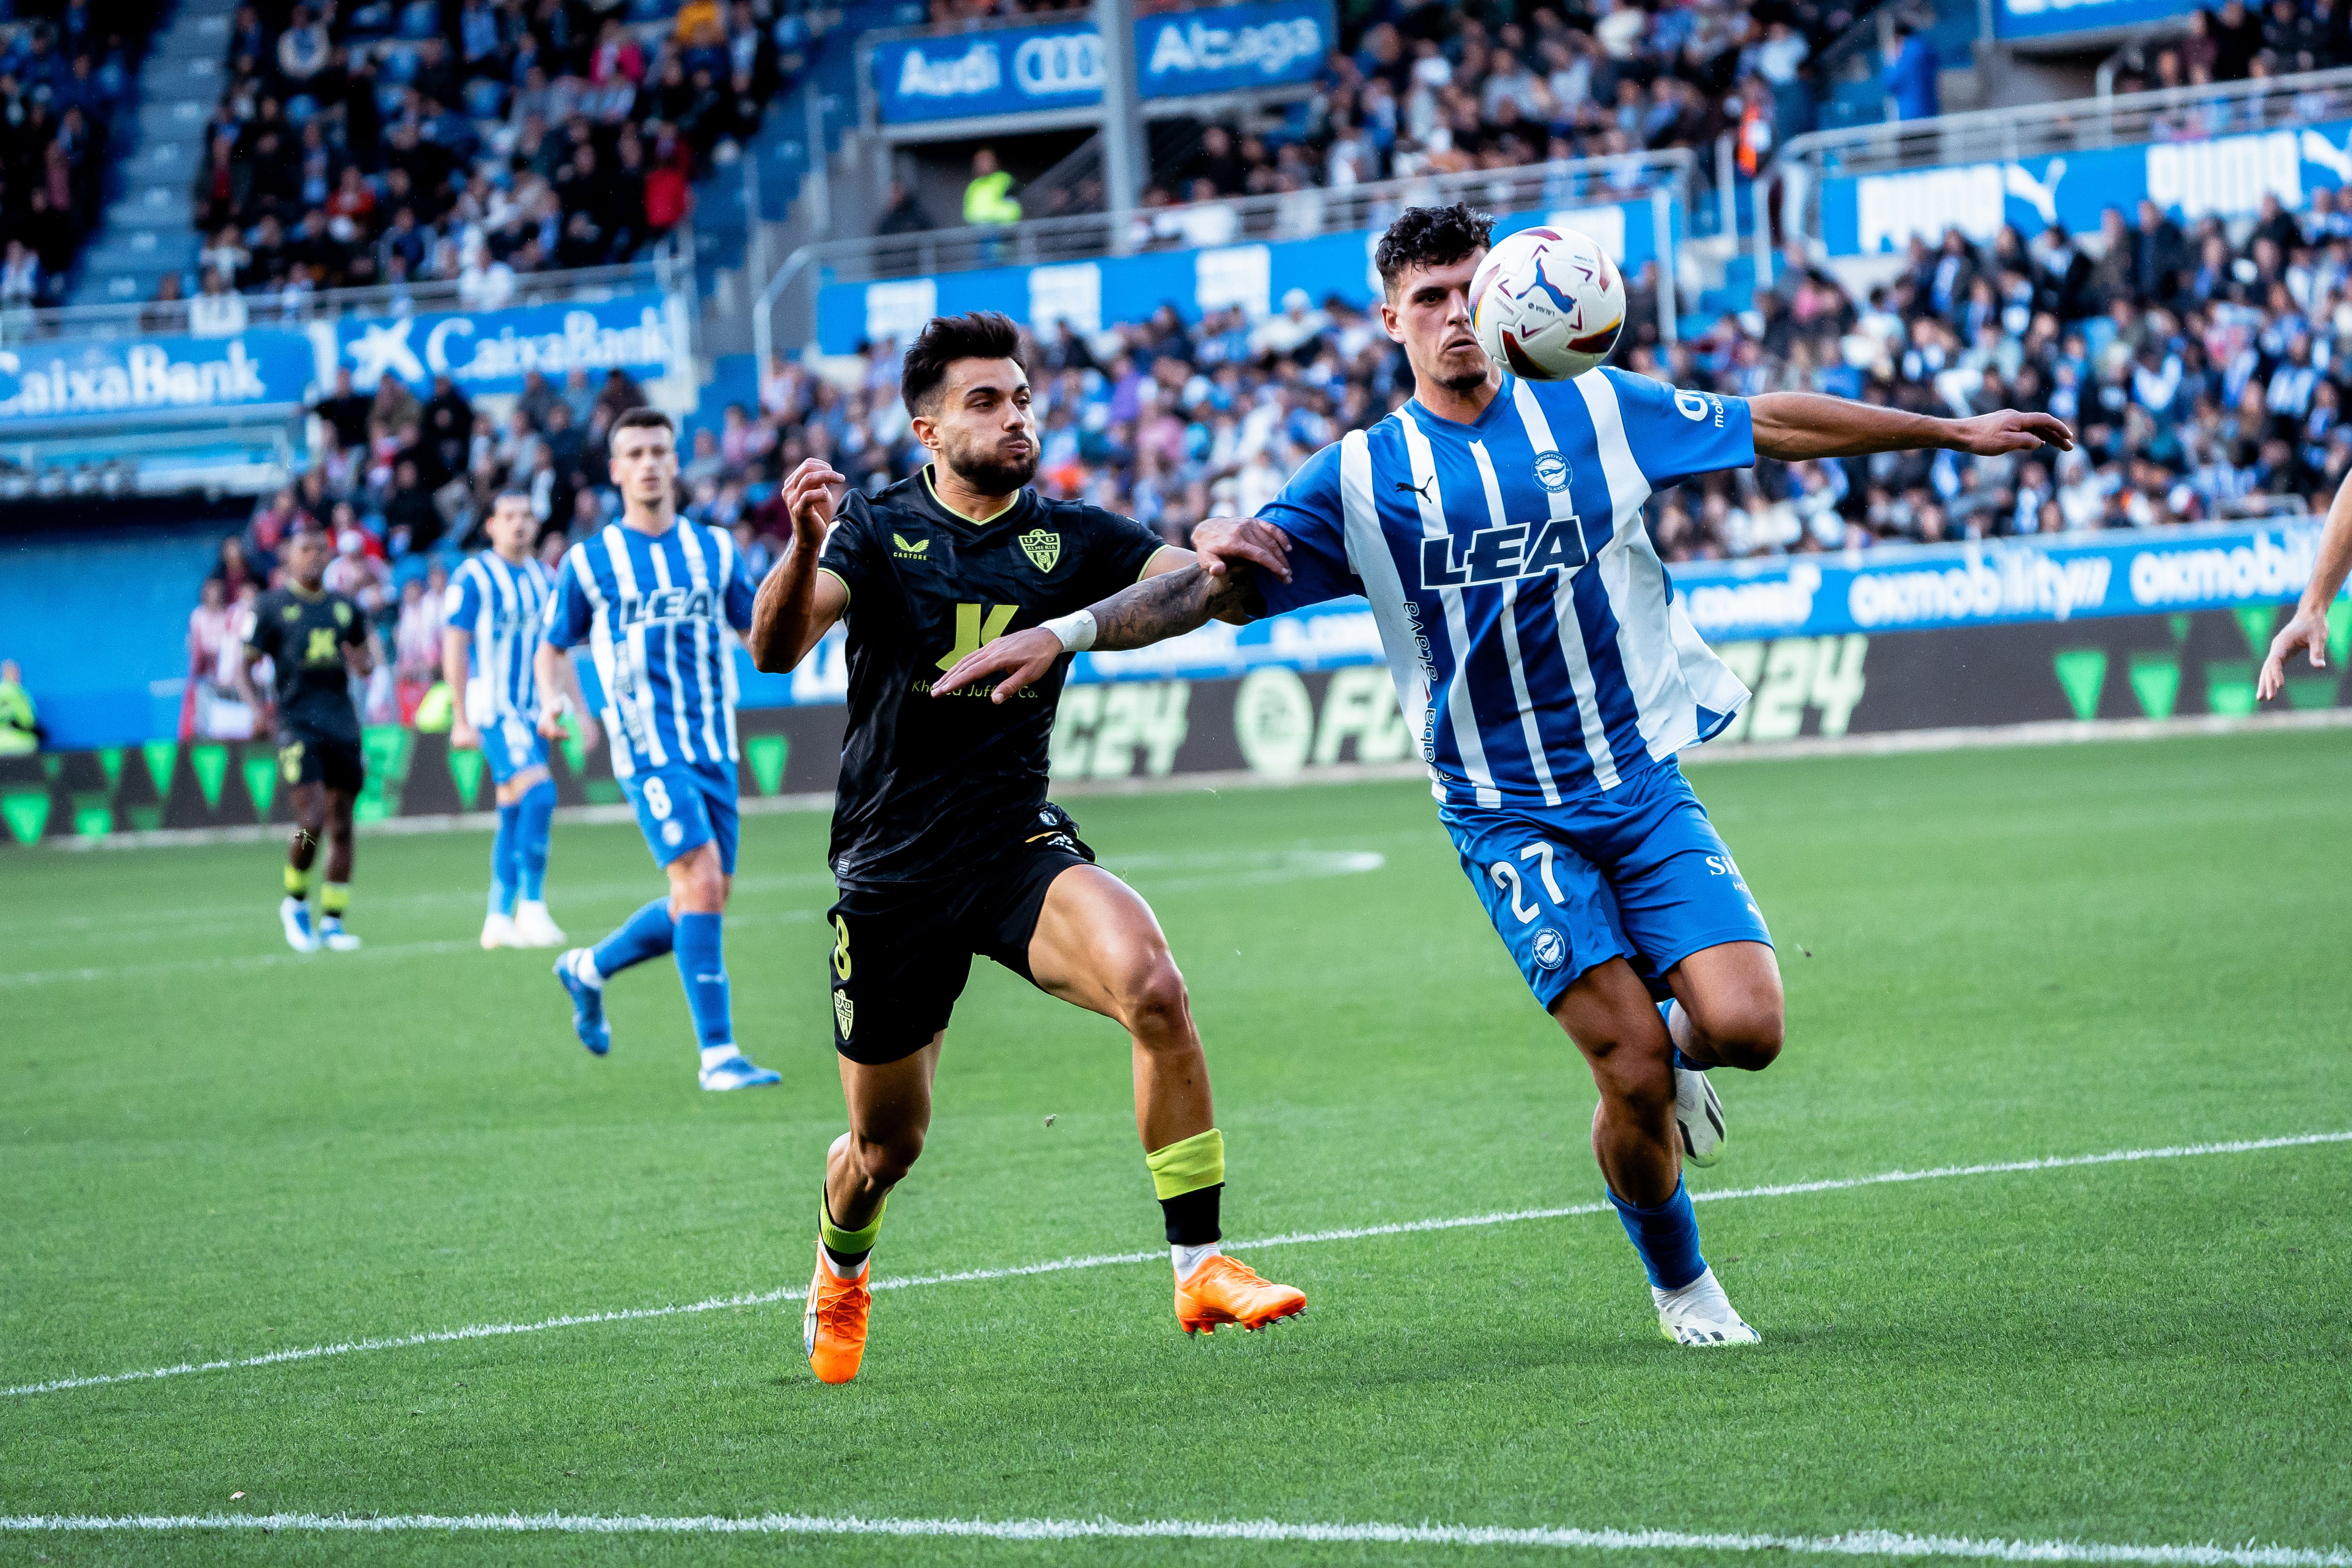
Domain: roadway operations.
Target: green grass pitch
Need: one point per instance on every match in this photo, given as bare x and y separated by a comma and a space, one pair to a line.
211, 1148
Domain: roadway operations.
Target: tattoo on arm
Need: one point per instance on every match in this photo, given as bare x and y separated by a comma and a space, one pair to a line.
1168, 605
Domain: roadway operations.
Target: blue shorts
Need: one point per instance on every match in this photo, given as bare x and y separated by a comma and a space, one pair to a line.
510, 745
681, 808
1638, 874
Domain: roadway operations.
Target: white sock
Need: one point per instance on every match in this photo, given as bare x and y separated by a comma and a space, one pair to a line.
834, 1268
1704, 1295
713, 1055
531, 907
1188, 1258
583, 969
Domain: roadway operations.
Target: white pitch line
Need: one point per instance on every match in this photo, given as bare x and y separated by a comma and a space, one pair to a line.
1852, 1544
1107, 1259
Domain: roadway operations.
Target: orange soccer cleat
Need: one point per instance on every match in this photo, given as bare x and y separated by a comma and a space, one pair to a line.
834, 1328
1227, 1290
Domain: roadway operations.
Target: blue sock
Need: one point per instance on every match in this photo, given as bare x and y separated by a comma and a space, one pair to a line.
537, 812
1667, 1237
646, 935
502, 863
702, 966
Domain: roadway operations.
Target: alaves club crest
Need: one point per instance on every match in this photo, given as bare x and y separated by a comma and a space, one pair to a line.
1041, 548
845, 1013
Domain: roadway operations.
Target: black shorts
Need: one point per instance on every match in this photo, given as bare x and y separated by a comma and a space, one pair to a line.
305, 756
901, 955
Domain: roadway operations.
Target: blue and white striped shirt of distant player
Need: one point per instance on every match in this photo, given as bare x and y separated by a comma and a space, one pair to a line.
656, 611
502, 606
1533, 635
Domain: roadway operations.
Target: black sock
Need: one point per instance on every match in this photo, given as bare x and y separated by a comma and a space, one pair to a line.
847, 1263
1193, 1216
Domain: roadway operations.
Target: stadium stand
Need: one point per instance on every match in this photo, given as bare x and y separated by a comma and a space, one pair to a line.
67, 97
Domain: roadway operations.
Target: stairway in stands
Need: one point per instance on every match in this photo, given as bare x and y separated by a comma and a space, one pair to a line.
146, 231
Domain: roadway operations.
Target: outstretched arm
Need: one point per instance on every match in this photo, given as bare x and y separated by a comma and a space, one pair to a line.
456, 645
1153, 610
2308, 629
797, 605
1795, 426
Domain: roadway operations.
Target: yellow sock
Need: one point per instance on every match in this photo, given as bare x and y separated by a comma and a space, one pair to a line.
298, 883
334, 898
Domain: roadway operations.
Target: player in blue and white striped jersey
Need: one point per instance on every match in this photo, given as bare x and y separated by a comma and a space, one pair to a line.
653, 596
497, 609
1539, 652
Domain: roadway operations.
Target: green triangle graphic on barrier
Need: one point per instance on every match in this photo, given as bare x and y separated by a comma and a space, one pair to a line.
2255, 621
2155, 682
2230, 685
2083, 672
27, 811
52, 765
210, 764
93, 817
163, 756
2311, 691
146, 818
2179, 626
111, 759
465, 772
576, 755
2339, 630
768, 753
261, 783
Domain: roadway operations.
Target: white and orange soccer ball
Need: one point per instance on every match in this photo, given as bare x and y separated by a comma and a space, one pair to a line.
1547, 304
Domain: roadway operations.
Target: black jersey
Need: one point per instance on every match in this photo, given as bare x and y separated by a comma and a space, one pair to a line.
931, 786
304, 635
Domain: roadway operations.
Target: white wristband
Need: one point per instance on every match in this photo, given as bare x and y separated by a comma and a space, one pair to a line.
1076, 631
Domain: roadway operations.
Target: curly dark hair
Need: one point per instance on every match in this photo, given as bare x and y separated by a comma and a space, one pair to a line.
980, 335
1430, 236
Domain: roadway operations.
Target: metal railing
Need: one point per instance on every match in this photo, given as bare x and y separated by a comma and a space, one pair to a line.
1659, 177
2005, 135
667, 269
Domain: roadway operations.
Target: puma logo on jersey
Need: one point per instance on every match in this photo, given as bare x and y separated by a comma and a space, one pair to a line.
1420, 490
909, 546
1501, 554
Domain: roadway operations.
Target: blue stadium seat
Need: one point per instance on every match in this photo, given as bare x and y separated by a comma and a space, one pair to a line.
420, 19
484, 98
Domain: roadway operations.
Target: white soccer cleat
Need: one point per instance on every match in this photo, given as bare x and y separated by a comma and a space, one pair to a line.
1700, 1314
532, 928
333, 938
294, 915
498, 930
1698, 1114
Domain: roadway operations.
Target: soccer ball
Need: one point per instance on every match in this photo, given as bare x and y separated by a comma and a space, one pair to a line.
1547, 304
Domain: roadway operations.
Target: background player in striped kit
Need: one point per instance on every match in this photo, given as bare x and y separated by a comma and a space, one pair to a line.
653, 595
496, 607
1537, 649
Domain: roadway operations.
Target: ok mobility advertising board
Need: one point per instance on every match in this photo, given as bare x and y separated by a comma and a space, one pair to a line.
2224, 175
1059, 66
2146, 627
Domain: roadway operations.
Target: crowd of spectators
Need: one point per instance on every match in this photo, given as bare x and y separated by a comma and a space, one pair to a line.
61, 78
400, 141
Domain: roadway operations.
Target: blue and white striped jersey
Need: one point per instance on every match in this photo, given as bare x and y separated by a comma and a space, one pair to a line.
655, 610
502, 606
1534, 636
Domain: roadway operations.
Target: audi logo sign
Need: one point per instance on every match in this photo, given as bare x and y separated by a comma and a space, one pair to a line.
1217, 49
1059, 64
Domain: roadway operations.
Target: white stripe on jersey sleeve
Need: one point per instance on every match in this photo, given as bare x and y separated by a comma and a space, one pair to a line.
1563, 602
1509, 623
1371, 560
1458, 708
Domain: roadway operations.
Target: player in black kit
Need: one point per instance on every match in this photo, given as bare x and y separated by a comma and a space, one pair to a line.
316, 641
943, 842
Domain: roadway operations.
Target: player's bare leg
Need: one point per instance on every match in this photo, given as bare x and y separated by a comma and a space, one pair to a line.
1726, 1012
1097, 944
1608, 1014
889, 1106
309, 802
